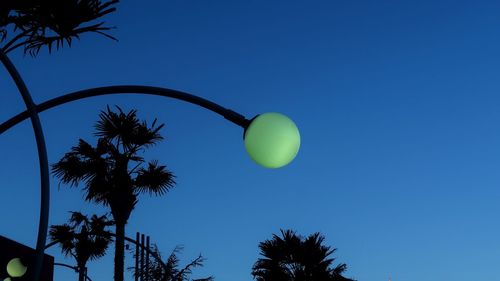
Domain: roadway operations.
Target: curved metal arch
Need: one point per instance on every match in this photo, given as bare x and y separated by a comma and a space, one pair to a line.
42, 159
230, 115
33, 110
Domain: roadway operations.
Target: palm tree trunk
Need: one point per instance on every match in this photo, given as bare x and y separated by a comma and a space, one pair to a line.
119, 251
81, 272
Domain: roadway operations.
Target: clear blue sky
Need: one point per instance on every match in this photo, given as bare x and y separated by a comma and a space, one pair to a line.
397, 103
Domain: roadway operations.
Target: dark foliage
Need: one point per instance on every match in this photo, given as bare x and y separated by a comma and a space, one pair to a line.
294, 258
82, 238
170, 269
33, 24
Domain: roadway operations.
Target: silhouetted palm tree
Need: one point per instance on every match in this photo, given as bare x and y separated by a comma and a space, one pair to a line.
83, 238
292, 258
104, 169
38, 23
156, 271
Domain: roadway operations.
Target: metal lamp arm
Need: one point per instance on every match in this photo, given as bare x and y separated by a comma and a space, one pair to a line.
230, 115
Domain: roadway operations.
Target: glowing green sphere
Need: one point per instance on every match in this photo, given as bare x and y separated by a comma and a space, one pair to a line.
15, 268
272, 140
7, 279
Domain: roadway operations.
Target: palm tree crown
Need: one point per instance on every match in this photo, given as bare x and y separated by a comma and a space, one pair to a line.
113, 173
82, 238
293, 258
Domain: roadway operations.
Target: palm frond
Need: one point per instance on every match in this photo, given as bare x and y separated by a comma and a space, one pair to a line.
78, 218
64, 235
188, 269
171, 270
154, 179
210, 278
127, 130
54, 23
291, 257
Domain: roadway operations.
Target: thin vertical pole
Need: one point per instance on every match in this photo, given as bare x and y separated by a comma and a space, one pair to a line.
147, 258
136, 277
142, 257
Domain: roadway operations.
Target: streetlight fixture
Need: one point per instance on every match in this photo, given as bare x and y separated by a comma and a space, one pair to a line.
271, 139
16, 268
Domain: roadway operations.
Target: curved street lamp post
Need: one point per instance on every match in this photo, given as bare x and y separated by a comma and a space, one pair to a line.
271, 139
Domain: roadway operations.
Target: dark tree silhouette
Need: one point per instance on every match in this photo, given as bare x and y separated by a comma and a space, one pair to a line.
294, 258
113, 172
84, 239
33, 24
173, 272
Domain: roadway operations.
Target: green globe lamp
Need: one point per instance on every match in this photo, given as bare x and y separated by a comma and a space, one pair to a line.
15, 268
272, 140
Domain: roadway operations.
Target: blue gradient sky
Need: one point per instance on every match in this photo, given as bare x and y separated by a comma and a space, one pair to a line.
397, 103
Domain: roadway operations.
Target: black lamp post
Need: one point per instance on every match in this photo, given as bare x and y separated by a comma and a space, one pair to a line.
271, 139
